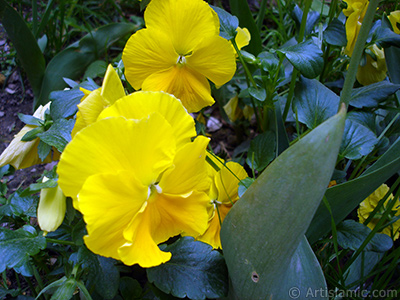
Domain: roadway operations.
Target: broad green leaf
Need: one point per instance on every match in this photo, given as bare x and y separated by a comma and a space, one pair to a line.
244, 184
305, 57
335, 34
261, 151
305, 270
312, 19
371, 95
240, 8
344, 198
195, 270
30, 120
28, 51
265, 227
66, 290
32, 134
228, 23
367, 119
59, 134
130, 288
43, 150
11, 292
73, 61
23, 205
258, 93
16, 246
351, 234
358, 141
385, 37
314, 102
96, 69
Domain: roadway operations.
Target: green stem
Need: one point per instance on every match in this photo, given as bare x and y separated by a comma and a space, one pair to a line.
300, 38
261, 14
38, 279
61, 242
34, 18
332, 10
357, 52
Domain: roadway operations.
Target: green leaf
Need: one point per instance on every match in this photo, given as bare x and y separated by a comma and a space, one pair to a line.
335, 34
344, 198
32, 134
30, 120
258, 93
367, 119
73, 61
260, 237
240, 8
371, 95
351, 235
244, 184
66, 290
303, 269
130, 288
358, 140
385, 37
28, 51
261, 151
12, 293
305, 57
312, 19
314, 102
228, 23
43, 150
17, 246
23, 205
59, 134
96, 69
195, 271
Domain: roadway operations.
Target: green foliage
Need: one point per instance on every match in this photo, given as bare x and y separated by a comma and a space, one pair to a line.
195, 271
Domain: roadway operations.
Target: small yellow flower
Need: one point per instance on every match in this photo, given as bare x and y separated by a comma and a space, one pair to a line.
51, 209
223, 194
242, 38
93, 102
177, 52
394, 19
140, 180
373, 70
21, 154
355, 13
369, 204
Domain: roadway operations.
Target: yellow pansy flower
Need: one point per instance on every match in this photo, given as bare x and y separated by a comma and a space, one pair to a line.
21, 154
177, 52
223, 194
394, 18
93, 102
242, 38
369, 204
355, 13
135, 187
373, 70
51, 208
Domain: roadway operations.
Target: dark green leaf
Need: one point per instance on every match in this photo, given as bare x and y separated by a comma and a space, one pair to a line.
261, 151
195, 271
358, 140
43, 150
269, 62
12, 293
228, 23
352, 234
32, 134
344, 198
258, 93
367, 119
240, 8
130, 288
73, 61
28, 51
66, 290
305, 57
264, 228
96, 69
30, 120
244, 184
64, 103
43, 185
23, 206
371, 95
27, 269
17, 246
314, 102
335, 34
312, 19
385, 37
59, 134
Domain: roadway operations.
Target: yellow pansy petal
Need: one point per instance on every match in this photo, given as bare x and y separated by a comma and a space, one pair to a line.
141, 104
215, 59
243, 37
147, 52
373, 71
227, 183
232, 109
394, 19
115, 144
189, 86
352, 29
185, 21
190, 171
212, 234
108, 203
112, 88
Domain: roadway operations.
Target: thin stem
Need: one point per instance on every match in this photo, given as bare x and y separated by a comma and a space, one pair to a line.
357, 52
34, 18
261, 14
61, 242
